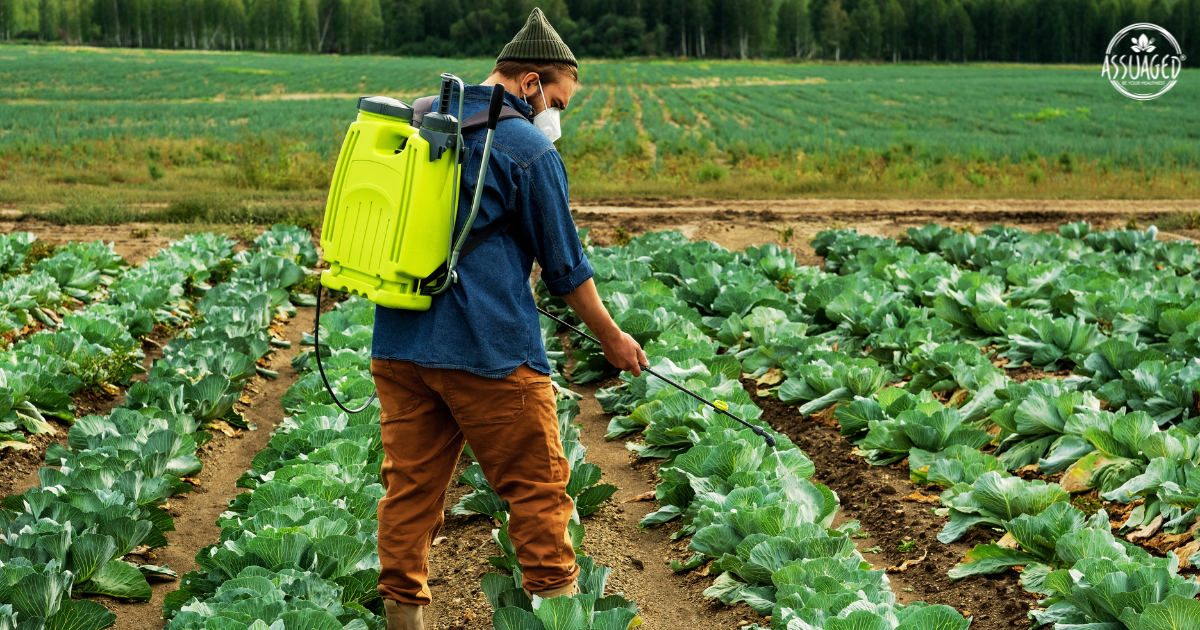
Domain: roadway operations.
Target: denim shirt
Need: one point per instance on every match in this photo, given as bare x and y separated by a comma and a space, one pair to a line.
487, 323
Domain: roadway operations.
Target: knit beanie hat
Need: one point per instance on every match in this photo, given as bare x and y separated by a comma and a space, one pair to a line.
537, 41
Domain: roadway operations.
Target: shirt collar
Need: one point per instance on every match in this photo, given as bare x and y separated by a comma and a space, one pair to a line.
483, 94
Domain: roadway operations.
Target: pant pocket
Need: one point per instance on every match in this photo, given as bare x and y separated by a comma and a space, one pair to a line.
395, 400
475, 398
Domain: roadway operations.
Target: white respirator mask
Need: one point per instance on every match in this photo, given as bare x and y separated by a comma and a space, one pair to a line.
548, 119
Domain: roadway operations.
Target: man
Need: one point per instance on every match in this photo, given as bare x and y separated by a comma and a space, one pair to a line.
473, 366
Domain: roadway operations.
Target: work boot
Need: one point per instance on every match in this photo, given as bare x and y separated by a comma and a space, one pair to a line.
568, 590
403, 616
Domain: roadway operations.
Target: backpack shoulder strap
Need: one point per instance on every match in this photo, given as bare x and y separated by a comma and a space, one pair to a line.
421, 107
424, 105
439, 276
479, 120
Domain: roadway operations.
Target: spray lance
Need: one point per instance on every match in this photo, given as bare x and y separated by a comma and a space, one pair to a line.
719, 406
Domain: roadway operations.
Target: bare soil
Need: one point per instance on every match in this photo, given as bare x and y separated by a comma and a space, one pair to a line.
19, 468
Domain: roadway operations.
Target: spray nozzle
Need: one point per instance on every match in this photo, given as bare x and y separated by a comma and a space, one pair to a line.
767, 437
719, 405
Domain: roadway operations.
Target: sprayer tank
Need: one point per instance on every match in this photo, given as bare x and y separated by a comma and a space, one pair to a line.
390, 208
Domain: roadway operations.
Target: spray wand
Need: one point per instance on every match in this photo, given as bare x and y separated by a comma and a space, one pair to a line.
719, 406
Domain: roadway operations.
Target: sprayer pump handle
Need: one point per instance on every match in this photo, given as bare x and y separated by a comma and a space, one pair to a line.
494, 106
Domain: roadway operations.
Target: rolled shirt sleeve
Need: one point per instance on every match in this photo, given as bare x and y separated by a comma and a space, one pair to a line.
547, 224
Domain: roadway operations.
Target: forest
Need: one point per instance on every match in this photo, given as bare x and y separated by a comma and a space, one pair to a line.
1026, 31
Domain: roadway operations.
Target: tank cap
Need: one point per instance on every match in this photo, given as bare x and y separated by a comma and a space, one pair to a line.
385, 106
444, 123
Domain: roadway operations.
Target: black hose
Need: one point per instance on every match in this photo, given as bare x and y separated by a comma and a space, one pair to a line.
321, 368
759, 431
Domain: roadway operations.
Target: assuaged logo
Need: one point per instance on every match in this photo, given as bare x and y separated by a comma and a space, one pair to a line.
1143, 61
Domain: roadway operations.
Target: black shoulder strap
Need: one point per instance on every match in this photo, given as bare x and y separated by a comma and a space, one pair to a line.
421, 107
479, 120
436, 279
424, 105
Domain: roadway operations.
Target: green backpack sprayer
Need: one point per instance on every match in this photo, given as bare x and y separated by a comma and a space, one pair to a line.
388, 233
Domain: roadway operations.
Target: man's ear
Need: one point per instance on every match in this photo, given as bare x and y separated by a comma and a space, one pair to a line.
529, 83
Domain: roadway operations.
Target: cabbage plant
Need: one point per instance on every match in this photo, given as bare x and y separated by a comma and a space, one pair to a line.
1139, 593
13, 251
993, 501
820, 385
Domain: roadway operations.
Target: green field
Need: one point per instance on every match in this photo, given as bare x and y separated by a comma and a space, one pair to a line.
81, 127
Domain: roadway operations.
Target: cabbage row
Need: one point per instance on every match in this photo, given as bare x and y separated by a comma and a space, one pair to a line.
69, 535
1117, 308
97, 346
91, 347
78, 272
298, 551
752, 512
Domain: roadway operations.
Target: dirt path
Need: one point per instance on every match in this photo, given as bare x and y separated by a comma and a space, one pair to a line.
225, 459
640, 559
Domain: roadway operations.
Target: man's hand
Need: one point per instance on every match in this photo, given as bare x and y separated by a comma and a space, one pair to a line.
624, 353
621, 350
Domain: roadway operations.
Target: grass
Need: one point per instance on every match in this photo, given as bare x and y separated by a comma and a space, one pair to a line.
216, 210
182, 137
1180, 221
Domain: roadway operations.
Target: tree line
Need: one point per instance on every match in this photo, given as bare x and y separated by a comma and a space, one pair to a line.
1038, 31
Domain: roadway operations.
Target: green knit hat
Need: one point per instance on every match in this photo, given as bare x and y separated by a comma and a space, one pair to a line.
537, 41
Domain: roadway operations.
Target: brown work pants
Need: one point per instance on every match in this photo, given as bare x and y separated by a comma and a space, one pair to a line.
511, 424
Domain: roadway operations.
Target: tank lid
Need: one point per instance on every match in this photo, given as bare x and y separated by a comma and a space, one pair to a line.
385, 106
444, 123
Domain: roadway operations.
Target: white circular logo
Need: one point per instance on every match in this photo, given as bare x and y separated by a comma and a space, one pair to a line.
1143, 61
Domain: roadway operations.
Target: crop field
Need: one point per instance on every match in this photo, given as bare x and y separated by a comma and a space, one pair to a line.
95, 132
974, 340
979, 428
